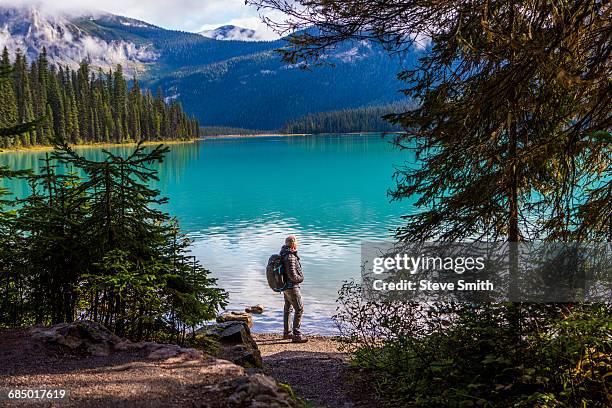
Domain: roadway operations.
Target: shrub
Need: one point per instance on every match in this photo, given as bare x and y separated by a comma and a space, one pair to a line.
462, 355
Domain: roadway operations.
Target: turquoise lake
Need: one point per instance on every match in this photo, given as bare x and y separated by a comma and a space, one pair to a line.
238, 199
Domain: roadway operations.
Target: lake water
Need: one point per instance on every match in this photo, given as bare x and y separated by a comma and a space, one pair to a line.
239, 198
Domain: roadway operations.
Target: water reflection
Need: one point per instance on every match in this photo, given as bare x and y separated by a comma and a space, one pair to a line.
239, 198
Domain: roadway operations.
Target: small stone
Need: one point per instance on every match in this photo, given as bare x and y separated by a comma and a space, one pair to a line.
259, 390
257, 309
235, 316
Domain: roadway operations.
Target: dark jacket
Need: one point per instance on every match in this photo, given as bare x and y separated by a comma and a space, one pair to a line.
292, 266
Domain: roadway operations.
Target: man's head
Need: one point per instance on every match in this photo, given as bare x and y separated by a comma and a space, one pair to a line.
291, 242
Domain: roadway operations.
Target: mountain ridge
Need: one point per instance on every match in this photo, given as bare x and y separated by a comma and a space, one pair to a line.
225, 82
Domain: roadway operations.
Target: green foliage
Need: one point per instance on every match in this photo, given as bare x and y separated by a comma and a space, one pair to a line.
82, 107
99, 247
368, 119
459, 355
511, 137
224, 131
507, 109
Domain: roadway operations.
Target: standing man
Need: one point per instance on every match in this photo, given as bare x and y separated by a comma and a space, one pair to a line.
293, 298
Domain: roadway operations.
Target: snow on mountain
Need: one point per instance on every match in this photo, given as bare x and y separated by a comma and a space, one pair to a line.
67, 43
230, 32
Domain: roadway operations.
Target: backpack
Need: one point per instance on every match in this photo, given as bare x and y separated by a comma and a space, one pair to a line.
274, 273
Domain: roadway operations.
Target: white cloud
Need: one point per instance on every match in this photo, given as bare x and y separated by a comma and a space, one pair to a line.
262, 31
186, 15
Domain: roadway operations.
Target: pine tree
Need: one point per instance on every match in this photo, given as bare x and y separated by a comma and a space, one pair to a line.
119, 97
12, 282
56, 104
23, 96
135, 111
8, 102
84, 107
136, 274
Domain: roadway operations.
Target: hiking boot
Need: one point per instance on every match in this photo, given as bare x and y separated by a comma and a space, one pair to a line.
299, 339
287, 336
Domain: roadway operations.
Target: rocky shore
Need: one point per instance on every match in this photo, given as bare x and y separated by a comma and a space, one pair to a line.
99, 369
232, 368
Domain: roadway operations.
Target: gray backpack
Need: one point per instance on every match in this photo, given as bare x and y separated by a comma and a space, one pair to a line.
275, 273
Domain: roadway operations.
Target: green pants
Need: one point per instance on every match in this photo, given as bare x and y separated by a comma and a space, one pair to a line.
293, 300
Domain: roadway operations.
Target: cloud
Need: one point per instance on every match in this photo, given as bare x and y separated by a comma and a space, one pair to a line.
262, 31
186, 15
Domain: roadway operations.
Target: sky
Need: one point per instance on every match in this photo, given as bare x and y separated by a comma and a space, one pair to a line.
185, 15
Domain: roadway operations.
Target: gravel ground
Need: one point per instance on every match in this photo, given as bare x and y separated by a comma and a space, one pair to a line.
317, 371
124, 379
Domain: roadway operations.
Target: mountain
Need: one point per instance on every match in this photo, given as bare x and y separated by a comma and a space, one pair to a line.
230, 32
224, 83
68, 41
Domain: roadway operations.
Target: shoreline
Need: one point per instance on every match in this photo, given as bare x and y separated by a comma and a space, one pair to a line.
48, 148
45, 148
253, 135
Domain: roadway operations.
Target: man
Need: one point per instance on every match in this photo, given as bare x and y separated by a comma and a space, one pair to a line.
293, 298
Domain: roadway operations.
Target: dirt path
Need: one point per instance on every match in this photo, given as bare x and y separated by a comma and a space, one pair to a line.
127, 379
316, 371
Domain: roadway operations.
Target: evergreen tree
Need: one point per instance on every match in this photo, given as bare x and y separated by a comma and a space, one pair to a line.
514, 110
96, 246
12, 285
135, 111
99, 247
8, 103
512, 140
23, 97
368, 119
84, 107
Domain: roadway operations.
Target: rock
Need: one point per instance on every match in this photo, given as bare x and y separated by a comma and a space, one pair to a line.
96, 340
229, 333
257, 309
215, 330
259, 390
219, 365
236, 343
244, 356
227, 385
126, 345
169, 351
235, 316
91, 337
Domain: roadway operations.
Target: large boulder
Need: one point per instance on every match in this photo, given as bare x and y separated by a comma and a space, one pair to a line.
94, 339
85, 336
236, 343
235, 317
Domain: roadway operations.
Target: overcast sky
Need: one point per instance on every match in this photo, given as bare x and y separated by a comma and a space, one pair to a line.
186, 15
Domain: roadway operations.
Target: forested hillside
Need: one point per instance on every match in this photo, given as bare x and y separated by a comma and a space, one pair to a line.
82, 106
259, 91
367, 119
242, 84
